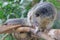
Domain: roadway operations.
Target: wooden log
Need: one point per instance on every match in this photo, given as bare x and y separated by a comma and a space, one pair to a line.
24, 29
51, 35
7, 28
19, 28
54, 33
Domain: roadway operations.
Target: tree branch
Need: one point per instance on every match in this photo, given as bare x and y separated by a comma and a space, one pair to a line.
51, 35
9, 28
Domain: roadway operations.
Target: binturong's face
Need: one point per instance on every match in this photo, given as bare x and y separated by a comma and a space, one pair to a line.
42, 15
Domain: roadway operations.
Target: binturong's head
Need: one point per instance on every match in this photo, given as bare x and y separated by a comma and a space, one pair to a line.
42, 15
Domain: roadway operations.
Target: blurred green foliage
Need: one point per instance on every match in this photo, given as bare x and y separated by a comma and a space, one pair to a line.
19, 9
14, 9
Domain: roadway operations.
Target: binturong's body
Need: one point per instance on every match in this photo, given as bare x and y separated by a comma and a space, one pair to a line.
15, 21
41, 16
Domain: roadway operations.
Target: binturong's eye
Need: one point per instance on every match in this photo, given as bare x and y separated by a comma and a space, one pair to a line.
37, 14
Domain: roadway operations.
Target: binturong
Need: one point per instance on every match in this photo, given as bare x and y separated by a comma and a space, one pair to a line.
41, 16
